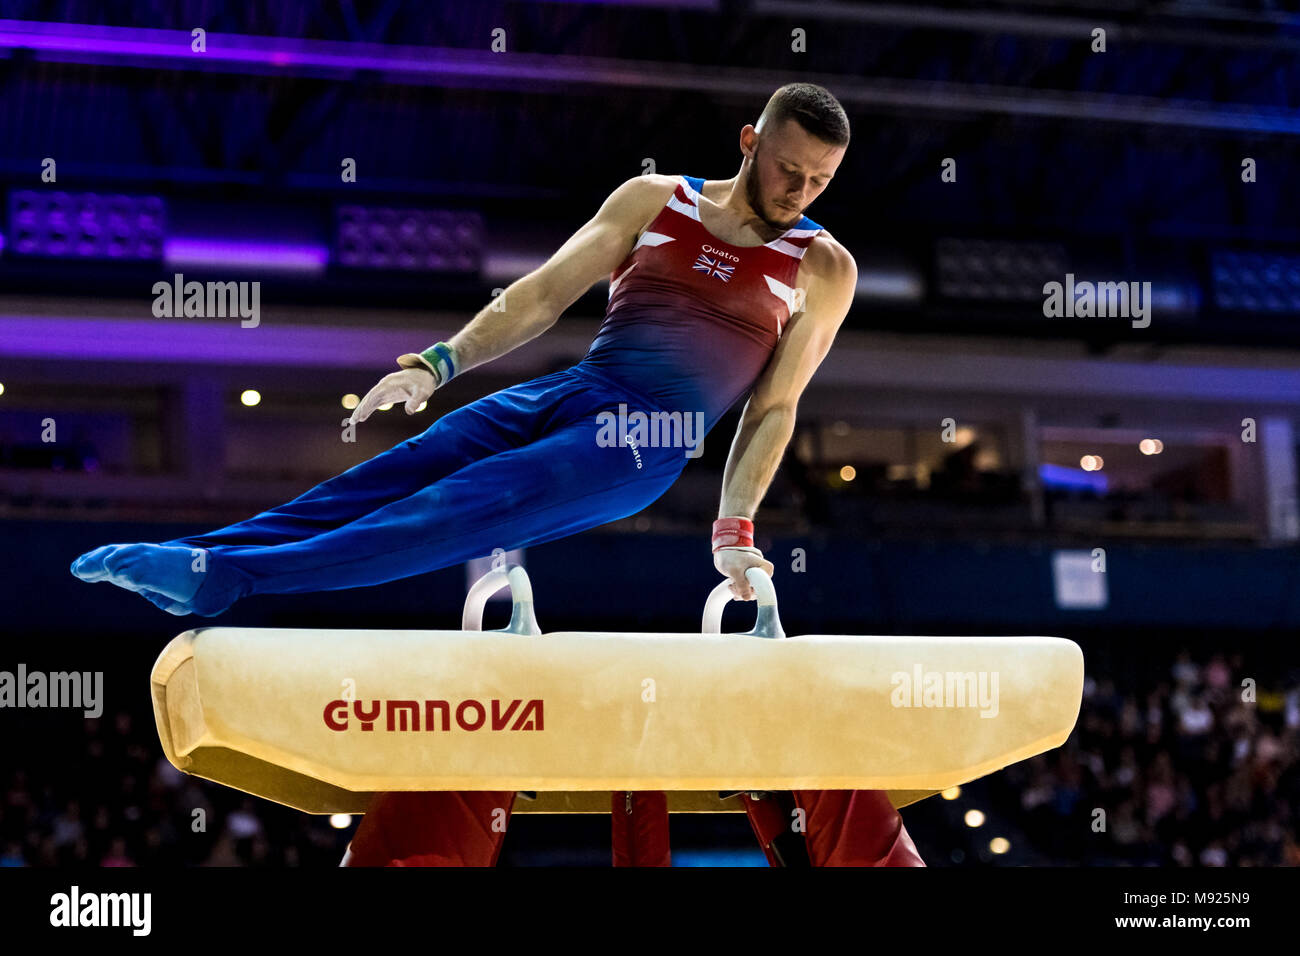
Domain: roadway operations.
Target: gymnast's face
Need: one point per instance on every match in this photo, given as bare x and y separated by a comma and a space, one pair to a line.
788, 169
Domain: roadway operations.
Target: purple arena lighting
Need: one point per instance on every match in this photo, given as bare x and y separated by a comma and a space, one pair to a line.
194, 252
213, 341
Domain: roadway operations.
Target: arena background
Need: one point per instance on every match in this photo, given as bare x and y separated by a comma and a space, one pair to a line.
1170, 158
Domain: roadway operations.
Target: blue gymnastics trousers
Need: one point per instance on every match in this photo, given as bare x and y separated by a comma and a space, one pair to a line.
518, 467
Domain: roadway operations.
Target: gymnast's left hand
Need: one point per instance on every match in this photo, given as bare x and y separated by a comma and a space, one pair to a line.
734, 562
410, 385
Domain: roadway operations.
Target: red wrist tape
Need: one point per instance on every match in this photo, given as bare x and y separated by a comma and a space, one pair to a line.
732, 533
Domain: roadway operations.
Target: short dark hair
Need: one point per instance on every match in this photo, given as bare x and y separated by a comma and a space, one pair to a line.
813, 107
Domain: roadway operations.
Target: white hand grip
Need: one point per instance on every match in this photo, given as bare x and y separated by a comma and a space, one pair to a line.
522, 619
768, 623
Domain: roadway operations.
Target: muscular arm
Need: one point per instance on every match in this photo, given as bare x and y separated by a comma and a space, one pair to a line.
767, 422
531, 305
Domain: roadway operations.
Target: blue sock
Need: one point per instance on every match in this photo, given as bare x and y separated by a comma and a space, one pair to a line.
166, 570
167, 604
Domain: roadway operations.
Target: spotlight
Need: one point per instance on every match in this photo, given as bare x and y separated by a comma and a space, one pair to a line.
995, 270
251, 397
350, 401
848, 473
418, 240
1256, 281
974, 818
86, 225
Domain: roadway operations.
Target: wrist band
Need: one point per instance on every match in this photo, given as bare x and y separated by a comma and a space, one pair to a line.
442, 358
439, 359
733, 532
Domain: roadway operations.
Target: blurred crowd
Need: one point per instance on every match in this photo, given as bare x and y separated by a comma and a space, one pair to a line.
1199, 768
1196, 768
119, 802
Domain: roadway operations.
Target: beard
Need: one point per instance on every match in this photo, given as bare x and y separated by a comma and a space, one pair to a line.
756, 203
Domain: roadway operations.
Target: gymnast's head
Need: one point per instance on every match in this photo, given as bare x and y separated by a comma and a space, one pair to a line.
792, 152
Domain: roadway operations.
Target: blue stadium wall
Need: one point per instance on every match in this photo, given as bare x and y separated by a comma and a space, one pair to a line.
657, 582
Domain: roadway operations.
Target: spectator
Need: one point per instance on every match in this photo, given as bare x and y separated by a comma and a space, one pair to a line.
12, 856
117, 854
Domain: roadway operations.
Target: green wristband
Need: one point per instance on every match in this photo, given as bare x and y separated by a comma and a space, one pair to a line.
442, 357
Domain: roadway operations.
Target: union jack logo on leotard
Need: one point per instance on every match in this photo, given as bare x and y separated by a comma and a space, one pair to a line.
714, 267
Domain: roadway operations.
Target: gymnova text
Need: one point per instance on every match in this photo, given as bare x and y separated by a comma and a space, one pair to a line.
1101, 300
210, 300
59, 689
404, 715
922, 688
102, 909
653, 430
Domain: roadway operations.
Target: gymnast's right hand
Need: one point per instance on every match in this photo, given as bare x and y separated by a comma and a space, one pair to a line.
734, 562
411, 385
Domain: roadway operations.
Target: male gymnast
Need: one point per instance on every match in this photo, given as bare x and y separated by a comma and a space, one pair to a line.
717, 288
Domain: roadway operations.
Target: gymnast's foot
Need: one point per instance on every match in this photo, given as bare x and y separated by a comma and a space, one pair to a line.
164, 571
166, 603
164, 575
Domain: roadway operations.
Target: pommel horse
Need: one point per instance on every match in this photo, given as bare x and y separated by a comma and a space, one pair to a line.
322, 720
